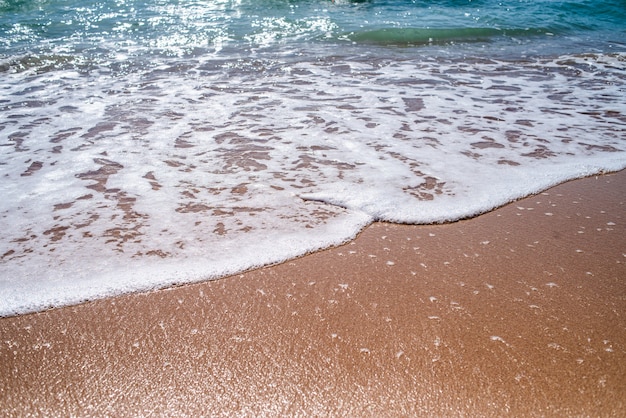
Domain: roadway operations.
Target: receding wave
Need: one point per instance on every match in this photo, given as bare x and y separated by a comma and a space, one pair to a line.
421, 36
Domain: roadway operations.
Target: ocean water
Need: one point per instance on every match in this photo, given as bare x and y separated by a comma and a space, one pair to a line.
151, 143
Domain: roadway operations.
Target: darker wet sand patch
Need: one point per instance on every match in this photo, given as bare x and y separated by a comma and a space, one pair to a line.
519, 312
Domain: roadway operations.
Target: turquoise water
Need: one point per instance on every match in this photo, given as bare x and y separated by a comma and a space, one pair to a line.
151, 143
101, 30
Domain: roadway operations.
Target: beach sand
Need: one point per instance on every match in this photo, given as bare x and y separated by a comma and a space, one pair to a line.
518, 312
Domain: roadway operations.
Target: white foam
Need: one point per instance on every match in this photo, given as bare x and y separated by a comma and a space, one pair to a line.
118, 183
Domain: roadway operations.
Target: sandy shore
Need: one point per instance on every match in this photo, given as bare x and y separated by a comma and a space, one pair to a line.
519, 312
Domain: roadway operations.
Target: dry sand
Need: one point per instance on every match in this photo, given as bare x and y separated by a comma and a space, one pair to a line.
519, 312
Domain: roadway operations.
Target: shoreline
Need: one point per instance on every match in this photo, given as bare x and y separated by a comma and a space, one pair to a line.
518, 311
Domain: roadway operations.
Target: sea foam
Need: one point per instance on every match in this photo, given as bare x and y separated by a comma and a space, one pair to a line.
137, 180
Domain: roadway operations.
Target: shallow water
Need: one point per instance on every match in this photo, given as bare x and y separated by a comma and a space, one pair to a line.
146, 144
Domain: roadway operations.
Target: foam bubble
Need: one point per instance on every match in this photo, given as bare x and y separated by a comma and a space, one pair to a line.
116, 182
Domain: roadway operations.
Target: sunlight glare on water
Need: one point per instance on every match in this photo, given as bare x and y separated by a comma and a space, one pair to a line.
146, 144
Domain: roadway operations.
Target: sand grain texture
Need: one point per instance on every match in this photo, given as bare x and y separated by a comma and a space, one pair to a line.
519, 312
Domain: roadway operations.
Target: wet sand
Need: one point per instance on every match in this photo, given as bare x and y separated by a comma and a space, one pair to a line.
519, 312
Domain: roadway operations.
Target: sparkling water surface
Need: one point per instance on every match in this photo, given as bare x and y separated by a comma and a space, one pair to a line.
144, 144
